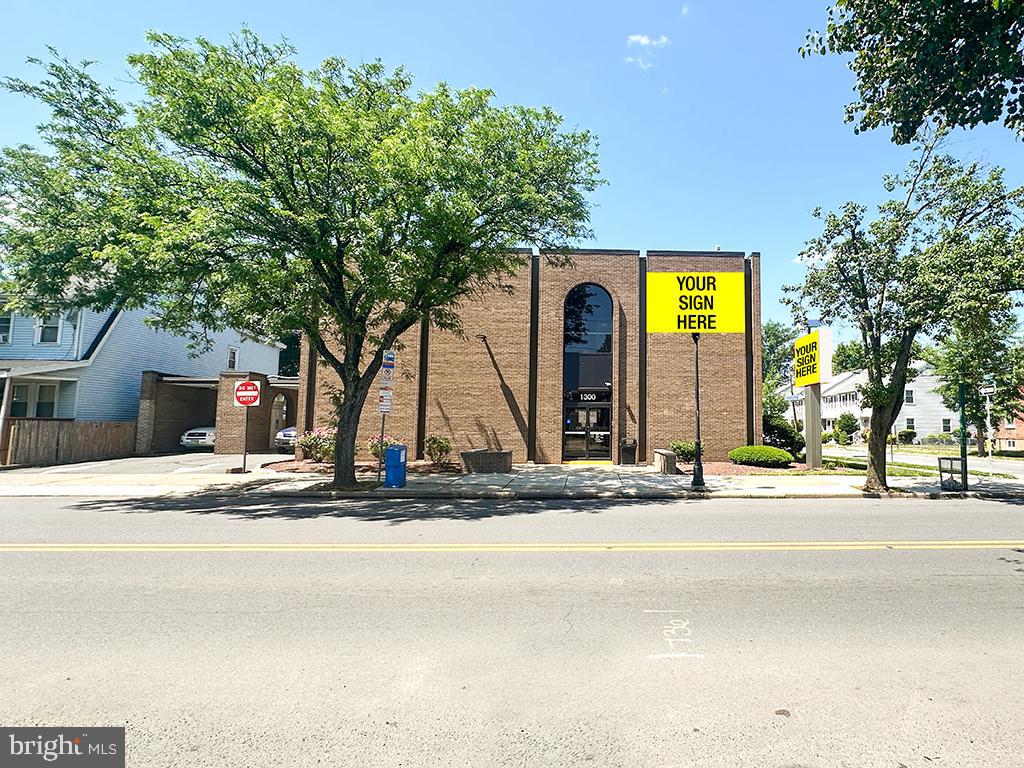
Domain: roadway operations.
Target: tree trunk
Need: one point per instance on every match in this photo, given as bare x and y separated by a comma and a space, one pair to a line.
349, 411
876, 479
981, 430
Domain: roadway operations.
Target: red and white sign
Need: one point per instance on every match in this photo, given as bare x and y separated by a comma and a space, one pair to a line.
247, 393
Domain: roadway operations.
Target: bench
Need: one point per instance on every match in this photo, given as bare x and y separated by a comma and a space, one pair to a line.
485, 460
665, 461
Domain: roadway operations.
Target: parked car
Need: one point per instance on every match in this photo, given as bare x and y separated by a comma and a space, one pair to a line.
285, 439
199, 437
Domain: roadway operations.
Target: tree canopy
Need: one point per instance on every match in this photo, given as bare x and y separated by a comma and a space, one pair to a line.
952, 62
946, 247
246, 191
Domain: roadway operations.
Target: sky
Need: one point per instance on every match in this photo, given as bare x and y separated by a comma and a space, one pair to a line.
713, 130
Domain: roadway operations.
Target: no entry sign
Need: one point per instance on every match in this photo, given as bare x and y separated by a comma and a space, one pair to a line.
247, 393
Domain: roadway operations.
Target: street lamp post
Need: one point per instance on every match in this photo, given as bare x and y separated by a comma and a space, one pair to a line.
698, 466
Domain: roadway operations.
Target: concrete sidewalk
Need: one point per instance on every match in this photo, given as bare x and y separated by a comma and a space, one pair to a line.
562, 482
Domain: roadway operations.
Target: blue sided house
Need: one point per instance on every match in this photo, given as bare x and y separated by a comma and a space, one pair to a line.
83, 365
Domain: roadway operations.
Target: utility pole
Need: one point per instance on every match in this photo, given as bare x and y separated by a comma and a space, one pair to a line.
962, 397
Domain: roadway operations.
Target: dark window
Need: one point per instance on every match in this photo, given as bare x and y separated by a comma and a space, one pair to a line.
587, 373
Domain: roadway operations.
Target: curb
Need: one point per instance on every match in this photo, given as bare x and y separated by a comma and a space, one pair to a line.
585, 496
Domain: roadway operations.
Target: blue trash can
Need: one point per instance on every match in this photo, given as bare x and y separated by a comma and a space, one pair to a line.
394, 466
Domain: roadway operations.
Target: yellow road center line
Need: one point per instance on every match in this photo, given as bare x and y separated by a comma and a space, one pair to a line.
557, 547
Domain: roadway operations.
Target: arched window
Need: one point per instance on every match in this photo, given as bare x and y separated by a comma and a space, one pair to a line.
587, 373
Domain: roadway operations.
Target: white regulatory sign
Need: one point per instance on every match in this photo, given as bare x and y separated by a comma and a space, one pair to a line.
387, 378
384, 401
987, 390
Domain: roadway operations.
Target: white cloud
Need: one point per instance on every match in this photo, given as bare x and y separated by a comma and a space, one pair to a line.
684, 10
639, 61
647, 41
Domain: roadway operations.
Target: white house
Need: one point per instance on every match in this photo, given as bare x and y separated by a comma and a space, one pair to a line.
922, 410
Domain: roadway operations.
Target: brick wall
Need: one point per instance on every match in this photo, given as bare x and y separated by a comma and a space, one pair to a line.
231, 419
670, 375
616, 272
478, 388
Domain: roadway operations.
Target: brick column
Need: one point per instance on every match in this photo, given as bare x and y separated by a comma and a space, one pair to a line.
147, 413
231, 418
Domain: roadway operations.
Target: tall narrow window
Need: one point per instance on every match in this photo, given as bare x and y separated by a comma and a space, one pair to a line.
19, 400
6, 321
46, 401
232, 358
910, 423
908, 396
587, 374
946, 426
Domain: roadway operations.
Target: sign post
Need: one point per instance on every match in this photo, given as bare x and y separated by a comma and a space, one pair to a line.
696, 303
247, 395
812, 365
988, 390
384, 400
962, 397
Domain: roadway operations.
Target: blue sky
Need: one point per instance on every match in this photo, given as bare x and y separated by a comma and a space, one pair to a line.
713, 130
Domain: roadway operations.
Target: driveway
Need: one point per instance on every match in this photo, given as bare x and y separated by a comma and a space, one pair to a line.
143, 476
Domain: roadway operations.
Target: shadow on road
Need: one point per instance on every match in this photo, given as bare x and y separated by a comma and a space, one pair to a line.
392, 511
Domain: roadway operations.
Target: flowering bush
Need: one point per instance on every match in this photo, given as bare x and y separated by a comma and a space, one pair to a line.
318, 444
377, 445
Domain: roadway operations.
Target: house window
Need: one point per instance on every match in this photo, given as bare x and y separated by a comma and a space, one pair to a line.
232, 358
1009, 424
910, 423
46, 401
19, 400
48, 330
946, 426
908, 396
6, 321
1011, 443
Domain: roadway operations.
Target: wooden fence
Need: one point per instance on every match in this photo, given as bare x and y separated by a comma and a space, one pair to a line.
63, 441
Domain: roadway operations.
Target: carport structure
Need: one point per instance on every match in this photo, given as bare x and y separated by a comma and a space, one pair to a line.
169, 405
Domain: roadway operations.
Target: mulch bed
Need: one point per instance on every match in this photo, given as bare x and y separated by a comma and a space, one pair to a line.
723, 468
420, 467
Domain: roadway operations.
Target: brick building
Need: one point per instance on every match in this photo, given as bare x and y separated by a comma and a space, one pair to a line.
563, 369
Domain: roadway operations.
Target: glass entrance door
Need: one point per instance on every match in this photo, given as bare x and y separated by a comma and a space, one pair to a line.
586, 432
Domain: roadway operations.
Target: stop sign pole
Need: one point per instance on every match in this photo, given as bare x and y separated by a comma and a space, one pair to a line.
247, 395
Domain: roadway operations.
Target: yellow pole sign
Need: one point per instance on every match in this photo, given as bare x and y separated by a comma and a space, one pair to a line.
695, 302
812, 358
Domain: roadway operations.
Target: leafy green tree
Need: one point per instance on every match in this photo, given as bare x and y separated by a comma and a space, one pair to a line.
848, 356
977, 351
954, 62
777, 350
847, 424
246, 191
946, 246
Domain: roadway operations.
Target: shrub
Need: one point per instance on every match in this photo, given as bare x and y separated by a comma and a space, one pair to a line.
685, 450
865, 434
828, 437
840, 436
438, 448
761, 456
906, 436
377, 444
847, 423
318, 444
779, 433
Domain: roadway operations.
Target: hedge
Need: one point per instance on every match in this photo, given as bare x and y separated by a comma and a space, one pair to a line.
685, 450
761, 456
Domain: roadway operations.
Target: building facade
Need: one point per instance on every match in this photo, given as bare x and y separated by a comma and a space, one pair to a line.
922, 411
563, 369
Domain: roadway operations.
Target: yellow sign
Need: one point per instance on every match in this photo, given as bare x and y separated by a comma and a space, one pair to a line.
812, 358
695, 302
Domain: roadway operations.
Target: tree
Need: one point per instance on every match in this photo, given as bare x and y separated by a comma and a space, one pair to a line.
953, 62
847, 424
245, 191
848, 356
946, 247
975, 353
777, 350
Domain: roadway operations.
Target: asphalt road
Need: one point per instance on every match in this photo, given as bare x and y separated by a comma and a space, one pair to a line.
228, 632
1013, 467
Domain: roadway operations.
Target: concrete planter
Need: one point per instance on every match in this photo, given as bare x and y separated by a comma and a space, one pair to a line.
483, 460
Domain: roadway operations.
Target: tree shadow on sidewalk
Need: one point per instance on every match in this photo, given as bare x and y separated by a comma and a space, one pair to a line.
391, 511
